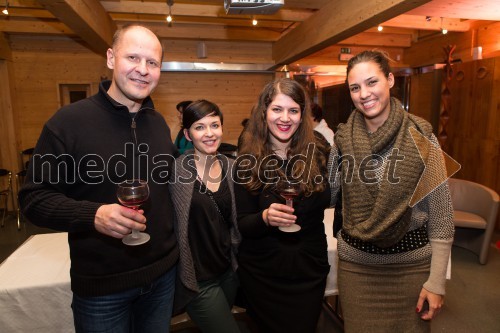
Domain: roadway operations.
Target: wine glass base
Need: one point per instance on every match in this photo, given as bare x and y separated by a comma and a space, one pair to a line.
291, 228
137, 239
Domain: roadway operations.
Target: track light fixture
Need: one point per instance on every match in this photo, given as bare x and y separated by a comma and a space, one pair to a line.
169, 18
380, 28
428, 18
5, 11
255, 22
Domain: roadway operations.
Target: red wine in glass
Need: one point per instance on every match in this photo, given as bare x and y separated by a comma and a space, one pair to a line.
289, 191
289, 194
132, 194
133, 201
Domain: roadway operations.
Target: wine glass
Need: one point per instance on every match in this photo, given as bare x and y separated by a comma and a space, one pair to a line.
289, 191
132, 194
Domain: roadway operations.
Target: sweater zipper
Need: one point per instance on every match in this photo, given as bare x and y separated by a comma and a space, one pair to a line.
133, 126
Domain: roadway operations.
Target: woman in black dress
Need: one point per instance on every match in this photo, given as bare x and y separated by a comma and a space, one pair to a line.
282, 274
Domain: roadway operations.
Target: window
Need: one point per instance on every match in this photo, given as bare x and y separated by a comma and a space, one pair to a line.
71, 93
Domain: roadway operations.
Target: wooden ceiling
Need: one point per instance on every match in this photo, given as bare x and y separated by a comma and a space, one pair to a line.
300, 28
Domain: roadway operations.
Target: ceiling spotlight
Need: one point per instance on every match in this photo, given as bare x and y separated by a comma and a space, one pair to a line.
255, 22
380, 28
428, 18
444, 31
5, 11
169, 19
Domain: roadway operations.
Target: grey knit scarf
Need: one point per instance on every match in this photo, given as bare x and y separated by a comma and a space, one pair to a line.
379, 213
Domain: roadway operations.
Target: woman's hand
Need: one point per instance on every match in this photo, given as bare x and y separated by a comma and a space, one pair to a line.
435, 302
279, 215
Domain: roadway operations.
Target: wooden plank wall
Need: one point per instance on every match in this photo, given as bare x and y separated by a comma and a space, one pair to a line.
429, 50
218, 51
234, 93
473, 127
40, 65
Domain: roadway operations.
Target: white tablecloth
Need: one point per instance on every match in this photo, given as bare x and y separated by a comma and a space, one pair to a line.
35, 294
331, 282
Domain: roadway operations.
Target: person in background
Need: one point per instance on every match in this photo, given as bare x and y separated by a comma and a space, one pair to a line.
84, 151
244, 123
320, 124
180, 141
282, 274
206, 227
392, 257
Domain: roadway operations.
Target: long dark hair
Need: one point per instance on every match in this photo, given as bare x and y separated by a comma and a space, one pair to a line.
255, 140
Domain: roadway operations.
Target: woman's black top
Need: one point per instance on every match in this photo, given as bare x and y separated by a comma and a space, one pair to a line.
209, 233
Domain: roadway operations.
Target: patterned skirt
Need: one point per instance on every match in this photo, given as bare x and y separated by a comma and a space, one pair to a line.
382, 298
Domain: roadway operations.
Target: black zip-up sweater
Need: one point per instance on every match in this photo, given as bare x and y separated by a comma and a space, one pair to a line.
103, 144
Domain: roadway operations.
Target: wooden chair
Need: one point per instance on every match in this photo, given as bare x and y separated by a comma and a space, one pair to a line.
24, 160
475, 212
6, 191
25, 156
20, 177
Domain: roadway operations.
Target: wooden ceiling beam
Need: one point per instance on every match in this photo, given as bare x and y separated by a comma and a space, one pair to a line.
432, 23
181, 9
5, 52
332, 24
24, 4
87, 18
38, 13
201, 20
35, 27
378, 39
207, 32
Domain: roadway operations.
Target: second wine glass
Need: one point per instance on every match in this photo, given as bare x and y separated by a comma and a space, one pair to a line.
289, 191
132, 194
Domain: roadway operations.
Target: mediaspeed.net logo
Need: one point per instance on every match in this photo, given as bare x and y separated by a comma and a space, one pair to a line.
93, 169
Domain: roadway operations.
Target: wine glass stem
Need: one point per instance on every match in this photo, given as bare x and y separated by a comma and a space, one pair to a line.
289, 202
135, 233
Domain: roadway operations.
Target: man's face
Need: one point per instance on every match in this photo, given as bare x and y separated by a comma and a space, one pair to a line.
136, 64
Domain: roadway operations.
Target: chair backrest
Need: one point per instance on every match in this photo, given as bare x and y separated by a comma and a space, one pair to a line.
25, 156
5, 180
474, 198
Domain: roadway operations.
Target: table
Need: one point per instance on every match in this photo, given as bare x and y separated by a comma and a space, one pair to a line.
331, 281
35, 292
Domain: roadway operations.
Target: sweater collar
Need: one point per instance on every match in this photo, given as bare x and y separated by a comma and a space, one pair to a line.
119, 108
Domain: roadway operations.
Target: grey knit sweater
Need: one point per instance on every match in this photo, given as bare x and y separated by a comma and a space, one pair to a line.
182, 187
435, 211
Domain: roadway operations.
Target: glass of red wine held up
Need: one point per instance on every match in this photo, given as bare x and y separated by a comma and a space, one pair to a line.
132, 194
288, 191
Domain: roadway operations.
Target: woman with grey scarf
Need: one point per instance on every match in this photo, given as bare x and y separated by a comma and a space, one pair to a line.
393, 251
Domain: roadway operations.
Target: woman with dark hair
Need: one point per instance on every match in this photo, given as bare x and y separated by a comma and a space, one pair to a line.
393, 253
206, 227
181, 143
282, 274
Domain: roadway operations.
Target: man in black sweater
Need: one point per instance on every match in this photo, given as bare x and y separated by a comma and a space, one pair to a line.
84, 151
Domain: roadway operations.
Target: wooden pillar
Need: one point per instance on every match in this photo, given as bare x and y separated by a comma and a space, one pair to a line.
8, 145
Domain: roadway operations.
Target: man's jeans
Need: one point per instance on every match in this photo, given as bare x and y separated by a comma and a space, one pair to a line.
147, 309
